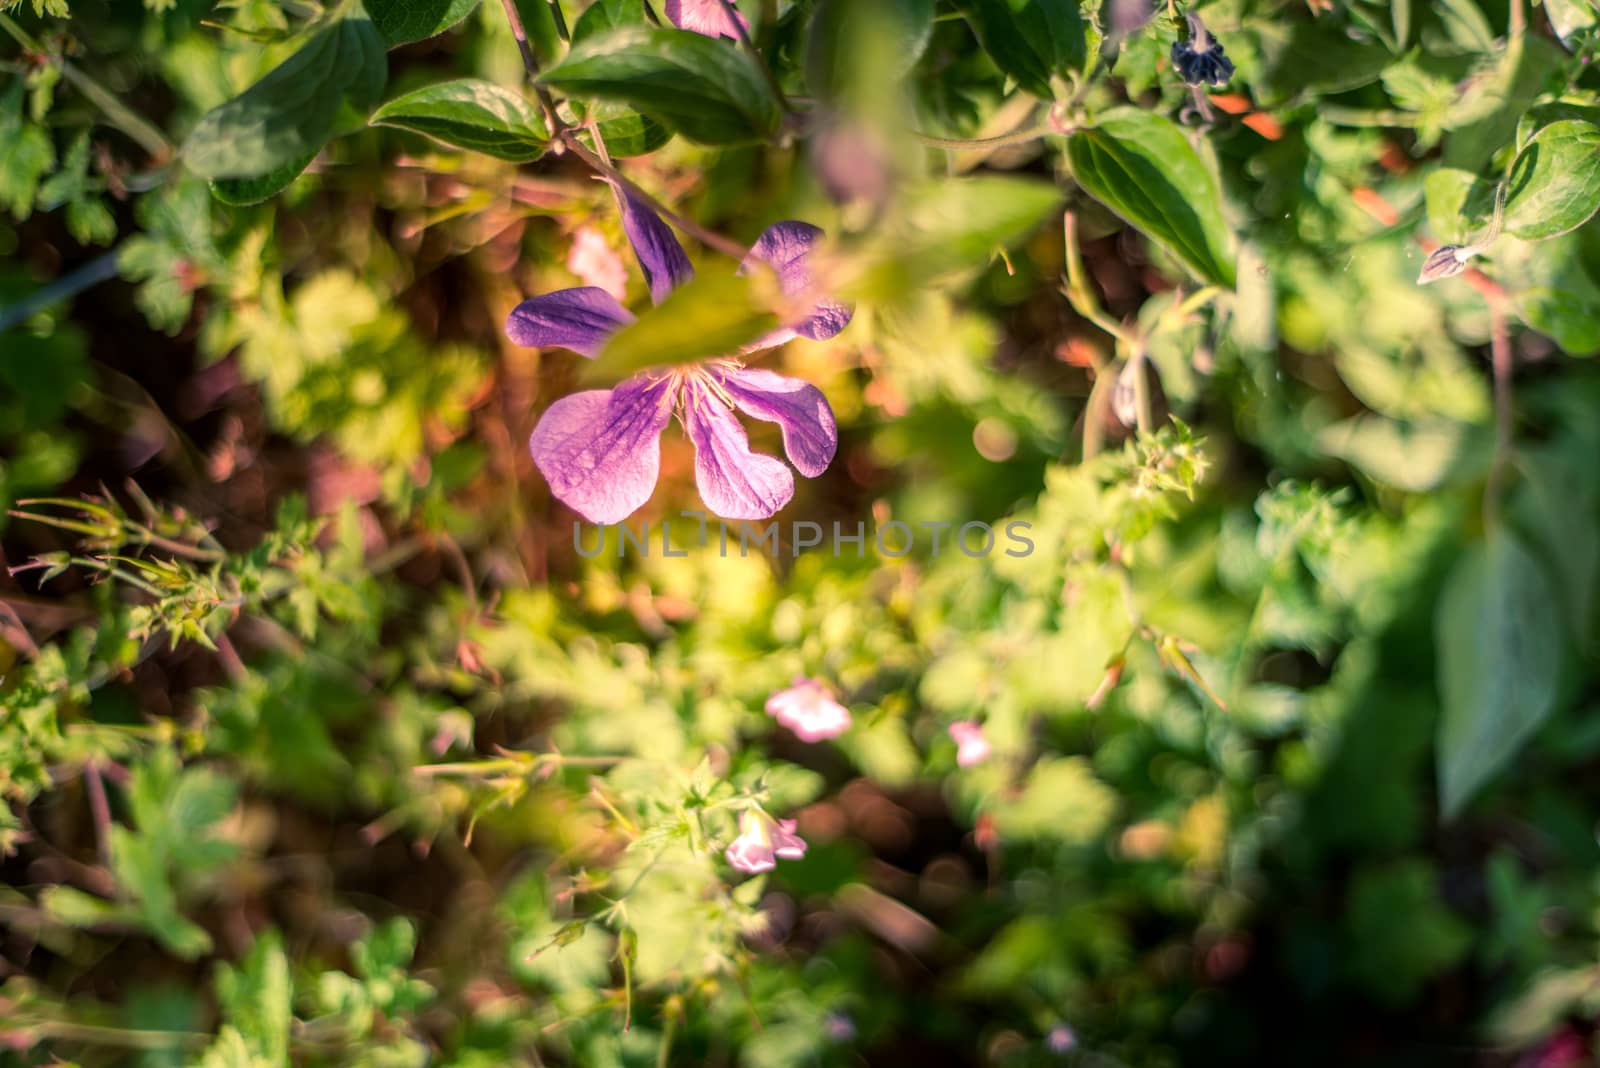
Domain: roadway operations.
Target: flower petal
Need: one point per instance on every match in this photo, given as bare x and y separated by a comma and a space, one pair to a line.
665, 264
786, 248
710, 17
810, 435
577, 319
786, 844
600, 450
734, 482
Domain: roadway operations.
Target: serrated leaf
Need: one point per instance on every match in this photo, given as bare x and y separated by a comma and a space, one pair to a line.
713, 315
693, 84
1141, 166
26, 154
291, 113
402, 21
1032, 41
1555, 181
1499, 646
471, 114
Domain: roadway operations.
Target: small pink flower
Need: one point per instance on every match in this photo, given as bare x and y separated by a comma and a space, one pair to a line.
971, 746
593, 259
762, 841
785, 843
808, 709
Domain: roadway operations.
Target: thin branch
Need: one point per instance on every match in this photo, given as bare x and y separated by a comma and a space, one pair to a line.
531, 63
100, 269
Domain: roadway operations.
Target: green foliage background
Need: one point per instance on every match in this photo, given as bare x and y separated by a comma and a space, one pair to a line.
321, 743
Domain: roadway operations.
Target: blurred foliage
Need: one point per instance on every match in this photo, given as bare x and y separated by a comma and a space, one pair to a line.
326, 738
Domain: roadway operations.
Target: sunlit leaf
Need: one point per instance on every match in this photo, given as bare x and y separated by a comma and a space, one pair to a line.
713, 315
1142, 167
402, 21
1555, 181
471, 114
693, 84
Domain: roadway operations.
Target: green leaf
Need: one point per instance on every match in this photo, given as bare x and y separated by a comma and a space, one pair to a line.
403, 21
292, 112
1568, 17
698, 86
1301, 59
603, 15
713, 315
1399, 932
256, 998
243, 192
1141, 166
26, 154
1032, 41
1500, 646
1555, 181
625, 131
470, 114
953, 225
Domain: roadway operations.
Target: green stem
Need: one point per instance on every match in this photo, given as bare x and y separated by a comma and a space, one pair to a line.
664, 1056
530, 62
970, 144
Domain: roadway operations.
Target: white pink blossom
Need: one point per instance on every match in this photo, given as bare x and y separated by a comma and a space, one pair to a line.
971, 746
763, 841
808, 709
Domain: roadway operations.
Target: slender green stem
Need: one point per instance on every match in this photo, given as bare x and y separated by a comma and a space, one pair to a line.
117, 572
1346, 116
560, 19
959, 144
664, 1055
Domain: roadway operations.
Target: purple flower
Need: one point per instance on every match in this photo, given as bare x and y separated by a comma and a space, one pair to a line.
1200, 59
762, 841
600, 450
710, 17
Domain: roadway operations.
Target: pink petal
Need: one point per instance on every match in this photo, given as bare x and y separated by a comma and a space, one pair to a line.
810, 435
600, 450
710, 17
786, 247
734, 482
